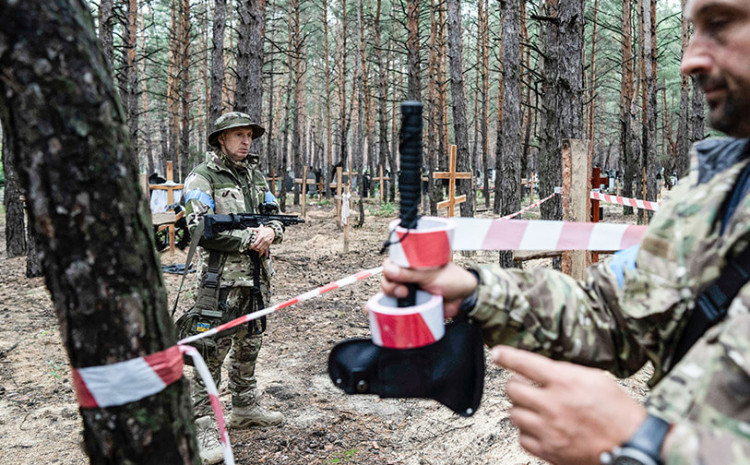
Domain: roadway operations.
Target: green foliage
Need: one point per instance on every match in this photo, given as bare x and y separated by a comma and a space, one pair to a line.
343, 457
324, 202
56, 369
386, 209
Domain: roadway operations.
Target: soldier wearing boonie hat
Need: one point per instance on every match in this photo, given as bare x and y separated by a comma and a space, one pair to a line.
229, 181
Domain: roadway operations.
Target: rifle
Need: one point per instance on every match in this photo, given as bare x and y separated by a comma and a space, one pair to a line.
214, 224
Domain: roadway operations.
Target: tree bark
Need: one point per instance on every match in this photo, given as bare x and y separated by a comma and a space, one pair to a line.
510, 176
92, 220
627, 94
131, 71
185, 95
648, 140
697, 123
15, 230
683, 127
414, 89
34, 267
106, 29
382, 84
461, 130
216, 107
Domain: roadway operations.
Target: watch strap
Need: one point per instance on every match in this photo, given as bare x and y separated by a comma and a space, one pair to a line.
649, 437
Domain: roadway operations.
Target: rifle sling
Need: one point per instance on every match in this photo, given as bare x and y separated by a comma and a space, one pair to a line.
713, 302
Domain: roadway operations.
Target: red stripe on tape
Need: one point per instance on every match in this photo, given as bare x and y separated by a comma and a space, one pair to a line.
167, 364
504, 235
574, 236
84, 396
632, 236
404, 331
438, 252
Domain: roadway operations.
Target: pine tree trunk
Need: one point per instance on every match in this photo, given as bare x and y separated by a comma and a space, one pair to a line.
382, 86
106, 28
414, 89
563, 98
510, 176
15, 231
216, 107
649, 89
627, 94
485, 91
185, 163
328, 171
455, 58
697, 123
94, 228
33, 260
683, 126
131, 68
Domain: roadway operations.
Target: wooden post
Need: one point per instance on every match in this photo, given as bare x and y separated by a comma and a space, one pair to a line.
381, 182
531, 187
272, 180
346, 220
304, 182
170, 187
575, 198
339, 170
452, 175
304, 190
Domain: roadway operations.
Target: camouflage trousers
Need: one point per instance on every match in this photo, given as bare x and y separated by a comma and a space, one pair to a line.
244, 352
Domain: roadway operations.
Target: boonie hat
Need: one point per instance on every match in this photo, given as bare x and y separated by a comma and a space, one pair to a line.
231, 120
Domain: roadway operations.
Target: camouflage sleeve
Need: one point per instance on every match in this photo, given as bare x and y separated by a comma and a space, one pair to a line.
198, 203
548, 312
691, 443
278, 229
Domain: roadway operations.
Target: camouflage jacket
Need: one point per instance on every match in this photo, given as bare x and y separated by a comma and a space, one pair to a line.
633, 307
218, 186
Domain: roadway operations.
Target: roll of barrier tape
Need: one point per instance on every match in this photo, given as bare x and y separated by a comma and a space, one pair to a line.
396, 327
429, 245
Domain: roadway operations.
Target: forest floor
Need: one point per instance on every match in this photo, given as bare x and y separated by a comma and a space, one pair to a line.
39, 421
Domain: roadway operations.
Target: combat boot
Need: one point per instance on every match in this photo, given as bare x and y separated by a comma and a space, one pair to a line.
208, 441
254, 415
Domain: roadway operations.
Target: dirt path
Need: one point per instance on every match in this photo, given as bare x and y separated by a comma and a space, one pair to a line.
39, 420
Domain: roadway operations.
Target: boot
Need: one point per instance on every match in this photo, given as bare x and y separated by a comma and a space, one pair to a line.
254, 415
208, 441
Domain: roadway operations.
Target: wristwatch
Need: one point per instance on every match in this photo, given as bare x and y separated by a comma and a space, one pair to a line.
644, 448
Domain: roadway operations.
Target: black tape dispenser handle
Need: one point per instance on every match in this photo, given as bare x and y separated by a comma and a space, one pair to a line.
410, 179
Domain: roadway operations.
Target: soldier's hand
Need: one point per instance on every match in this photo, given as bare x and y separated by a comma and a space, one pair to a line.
264, 236
566, 413
450, 281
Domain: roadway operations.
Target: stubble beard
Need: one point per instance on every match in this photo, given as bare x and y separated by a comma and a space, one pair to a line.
734, 118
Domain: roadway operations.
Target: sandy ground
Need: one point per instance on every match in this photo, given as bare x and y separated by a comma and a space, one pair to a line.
39, 421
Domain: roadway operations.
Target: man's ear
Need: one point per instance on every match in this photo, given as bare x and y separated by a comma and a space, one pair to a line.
220, 139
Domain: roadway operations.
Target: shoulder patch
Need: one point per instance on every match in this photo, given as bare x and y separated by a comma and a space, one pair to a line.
623, 260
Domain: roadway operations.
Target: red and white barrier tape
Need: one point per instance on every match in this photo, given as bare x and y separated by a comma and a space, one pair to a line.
300, 298
406, 246
213, 396
636, 203
405, 327
132, 380
129, 381
533, 205
499, 234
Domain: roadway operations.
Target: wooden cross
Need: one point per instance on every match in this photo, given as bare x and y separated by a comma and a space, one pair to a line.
380, 180
168, 219
451, 175
273, 180
304, 182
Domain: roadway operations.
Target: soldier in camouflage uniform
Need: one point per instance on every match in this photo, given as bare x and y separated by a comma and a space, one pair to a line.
230, 182
634, 307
